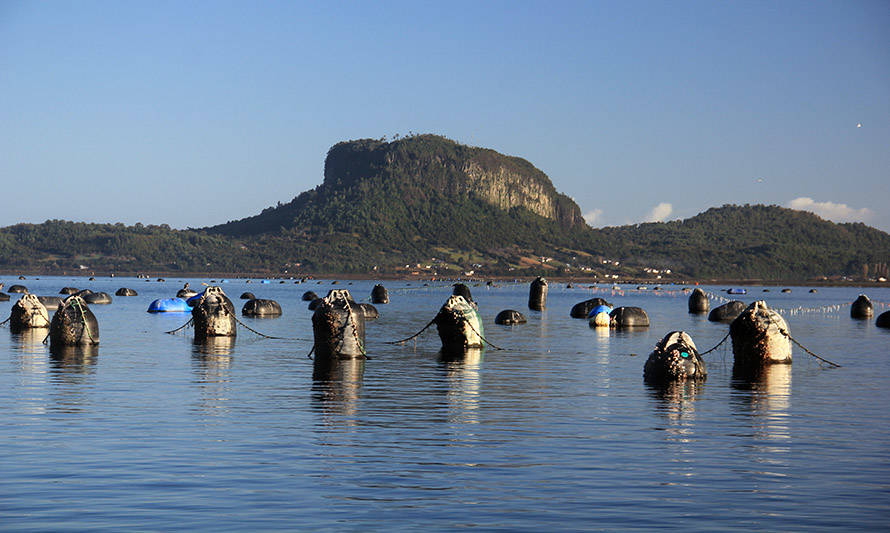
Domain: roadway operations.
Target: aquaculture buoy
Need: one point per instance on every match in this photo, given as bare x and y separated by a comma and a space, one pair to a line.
537, 295
629, 317
582, 309
379, 295
169, 305
28, 313
698, 301
338, 327
727, 312
862, 308
73, 324
675, 358
509, 317
600, 316
462, 290
261, 308
760, 336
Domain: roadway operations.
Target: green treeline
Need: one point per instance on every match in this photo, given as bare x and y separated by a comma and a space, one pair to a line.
426, 199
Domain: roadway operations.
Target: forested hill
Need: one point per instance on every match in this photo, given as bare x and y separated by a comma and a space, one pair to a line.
751, 242
394, 185
429, 205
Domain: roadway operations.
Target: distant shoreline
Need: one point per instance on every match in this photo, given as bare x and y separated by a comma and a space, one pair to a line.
9, 278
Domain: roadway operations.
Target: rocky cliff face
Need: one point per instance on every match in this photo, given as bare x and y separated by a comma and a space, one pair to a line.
454, 170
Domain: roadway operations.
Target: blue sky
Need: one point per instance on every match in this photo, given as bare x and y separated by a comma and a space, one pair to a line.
196, 113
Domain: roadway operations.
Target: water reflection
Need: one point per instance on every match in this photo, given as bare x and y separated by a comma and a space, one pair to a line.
676, 399
74, 359
764, 395
71, 370
462, 370
336, 388
212, 358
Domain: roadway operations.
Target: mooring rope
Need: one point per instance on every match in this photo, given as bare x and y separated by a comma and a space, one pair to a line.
783, 332
361, 346
83, 317
190, 322
483, 338
795, 341
433, 321
267, 336
715, 347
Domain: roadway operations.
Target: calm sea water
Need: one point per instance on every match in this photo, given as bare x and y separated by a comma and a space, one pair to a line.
555, 432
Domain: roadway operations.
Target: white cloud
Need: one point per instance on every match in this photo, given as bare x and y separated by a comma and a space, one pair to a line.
831, 210
659, 212
591, 217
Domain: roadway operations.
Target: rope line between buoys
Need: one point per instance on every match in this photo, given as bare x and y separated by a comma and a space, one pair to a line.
190, 322
83, 317
433, 321
264, 335
483, 338
802, 347
715, 347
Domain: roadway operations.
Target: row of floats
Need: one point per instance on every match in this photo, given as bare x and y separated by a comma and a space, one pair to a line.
760, 336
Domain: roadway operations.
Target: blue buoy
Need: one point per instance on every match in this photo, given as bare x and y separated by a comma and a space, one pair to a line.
169, 305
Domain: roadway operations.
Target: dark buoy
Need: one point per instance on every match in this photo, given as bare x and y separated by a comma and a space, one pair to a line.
28, 313
308, 296
583, 309
73, 324
97, 298
629, 317
509, 317
759, 337
537, 294
214, 315
462, 290
675, 358
862, 308
786, 291
247, 296
338, 326
727, 312
883, 320
124, 291
379, 295
51, 302
369, 311
261, 308
459, 325
68, 290
698, 301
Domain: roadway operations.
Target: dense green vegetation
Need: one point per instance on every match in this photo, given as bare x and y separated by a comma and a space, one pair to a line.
411, 202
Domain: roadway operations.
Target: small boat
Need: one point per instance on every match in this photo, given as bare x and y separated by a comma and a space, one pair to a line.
736, 291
